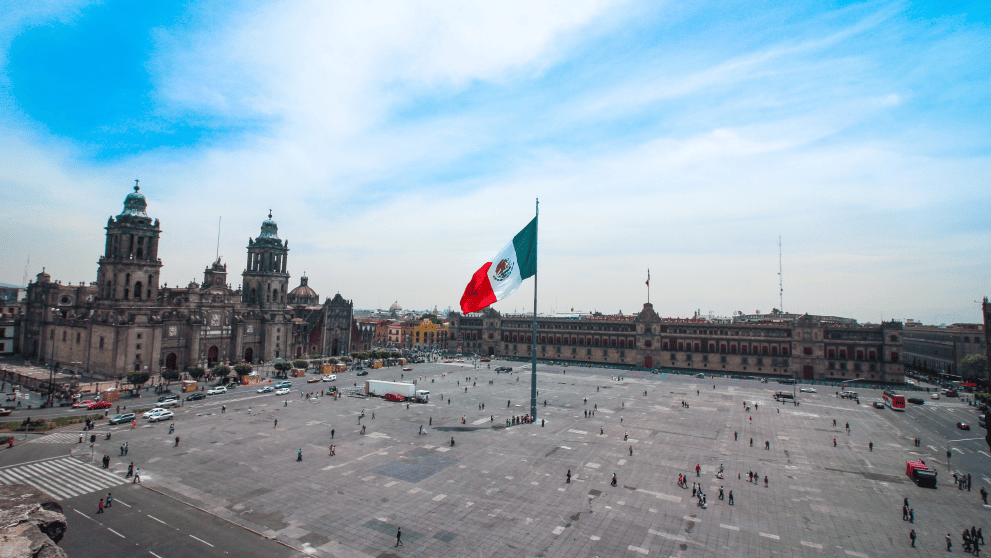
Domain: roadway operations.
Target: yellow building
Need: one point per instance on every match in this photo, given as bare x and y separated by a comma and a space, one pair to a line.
429, 335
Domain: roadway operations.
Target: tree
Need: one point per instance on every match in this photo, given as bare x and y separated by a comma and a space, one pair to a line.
315, 363
138, 378
283, 367
300, 363
432, 317
170, 376
973, 366
222, 371
196, 373
396, 354
242, 369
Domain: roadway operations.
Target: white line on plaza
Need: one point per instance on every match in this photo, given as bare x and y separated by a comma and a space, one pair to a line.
159, 520
812, 545
153, 554
202, 541
730, 527
857, 554
116, 533
122, 503
84, 515
769, 536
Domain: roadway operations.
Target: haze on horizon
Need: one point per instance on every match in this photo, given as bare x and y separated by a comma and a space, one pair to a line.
400, 145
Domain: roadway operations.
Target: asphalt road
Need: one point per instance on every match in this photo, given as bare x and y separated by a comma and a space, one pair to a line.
145, 523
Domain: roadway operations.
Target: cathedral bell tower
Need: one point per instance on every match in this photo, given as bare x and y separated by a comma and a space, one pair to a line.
265, 279
129, 268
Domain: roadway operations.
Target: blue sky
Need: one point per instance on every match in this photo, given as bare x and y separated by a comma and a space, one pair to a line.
401, 144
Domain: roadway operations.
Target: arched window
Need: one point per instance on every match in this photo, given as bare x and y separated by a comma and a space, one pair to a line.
137, 290
170, 362
127, 279
249, 354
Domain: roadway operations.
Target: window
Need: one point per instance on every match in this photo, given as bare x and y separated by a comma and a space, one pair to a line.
63, 335
137, 347
101, 341
744, 360
674, 357
646, 342
807, 350
78, 337
139, 336
722, 359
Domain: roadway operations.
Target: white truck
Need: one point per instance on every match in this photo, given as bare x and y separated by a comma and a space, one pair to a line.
423, 396
382, 387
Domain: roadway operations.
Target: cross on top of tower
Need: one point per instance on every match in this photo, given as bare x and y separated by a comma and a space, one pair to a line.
269, 213
136, 187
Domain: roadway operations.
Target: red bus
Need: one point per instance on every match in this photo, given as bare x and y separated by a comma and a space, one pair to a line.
894, 401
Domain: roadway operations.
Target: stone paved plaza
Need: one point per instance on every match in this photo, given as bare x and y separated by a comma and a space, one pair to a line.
502, 491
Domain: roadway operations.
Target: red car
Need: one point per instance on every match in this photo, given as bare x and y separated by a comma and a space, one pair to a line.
394, 397
99, 405
313, 380
81, 404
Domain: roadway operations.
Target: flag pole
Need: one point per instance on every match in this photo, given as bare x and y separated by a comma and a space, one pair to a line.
533, 347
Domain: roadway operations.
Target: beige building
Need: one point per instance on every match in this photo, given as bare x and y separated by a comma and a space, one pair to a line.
429, 336
940, 349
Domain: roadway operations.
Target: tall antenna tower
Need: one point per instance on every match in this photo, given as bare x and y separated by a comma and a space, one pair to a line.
24, 282
781, 282
220, 220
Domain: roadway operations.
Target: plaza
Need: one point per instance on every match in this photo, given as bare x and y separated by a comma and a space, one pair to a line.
502, 490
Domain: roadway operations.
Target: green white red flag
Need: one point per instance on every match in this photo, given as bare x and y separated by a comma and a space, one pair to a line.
500, 277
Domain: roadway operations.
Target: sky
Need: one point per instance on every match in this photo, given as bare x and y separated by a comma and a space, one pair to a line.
401, 144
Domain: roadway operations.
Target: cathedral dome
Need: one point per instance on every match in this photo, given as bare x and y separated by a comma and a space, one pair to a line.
303, 294
135, 203
270, 230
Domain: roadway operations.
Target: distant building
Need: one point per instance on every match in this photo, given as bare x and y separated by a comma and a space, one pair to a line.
940, 349
807, 347
429, 336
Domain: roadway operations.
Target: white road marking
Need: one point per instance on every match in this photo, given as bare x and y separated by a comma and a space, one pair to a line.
812, 545
116, 533
595, 538
730, 527
638, 549
769, 536
857, 554
695, 519
153, 554
159, 520
84, 515
202, 541
558, 530
439, 497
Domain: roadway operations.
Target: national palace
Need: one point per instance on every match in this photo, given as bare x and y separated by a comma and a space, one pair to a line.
126, 320
785, 345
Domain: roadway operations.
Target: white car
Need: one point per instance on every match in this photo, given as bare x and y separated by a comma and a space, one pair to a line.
407, 368
266, 389
169, 403
281, 391
217, 390
164, 414
934, 396
154, 411
808, 390
329, 378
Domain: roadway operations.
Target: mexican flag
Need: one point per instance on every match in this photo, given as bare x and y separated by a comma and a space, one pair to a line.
500, 277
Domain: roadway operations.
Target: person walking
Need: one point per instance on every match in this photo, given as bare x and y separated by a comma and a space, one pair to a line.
698, 470
751, 442
949, 542
834, 442
631, 451
223, 409
101, 506
452, 441
904, 513
767, 445
110, 499
399, 537
171, 428
911, 515
130, 470
912, 536
137, 476
176, 441
127, 448
276, 423
569, 476
735, 436
731, 497
331, 433
614, 481
299, 455
871, 446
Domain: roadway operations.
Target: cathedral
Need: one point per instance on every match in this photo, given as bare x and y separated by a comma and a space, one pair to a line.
126, 321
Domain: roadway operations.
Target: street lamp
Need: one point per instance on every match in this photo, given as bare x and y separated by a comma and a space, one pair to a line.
51, 362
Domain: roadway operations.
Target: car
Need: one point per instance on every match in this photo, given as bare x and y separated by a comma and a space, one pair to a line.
174, 402
154, 411
407, 368
504, 369
312, 380
99, 405
284, 383
231, 385
216, 390
82, 404
963, 426
951, 393
164, 414
878, 405
123, 417
5, 412
807, 390
358, 367
934, 396
167, 397
195, 397
266, 389
916, 401
282, 391
362, 373
329, 378
394, 397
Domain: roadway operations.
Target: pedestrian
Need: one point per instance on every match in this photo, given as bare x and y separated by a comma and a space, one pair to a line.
299, 455
331, 433
614, 481
127, 448
176, 441
421, 429
968, 482
698, 470
223, 409
911, 515
101, 506
767, 445
631, 451
399, 537
765, 481
834, 442
122, 449
333, 449
721, 493
735, 436
130, 470
601, 431
137, 476
626, 436
980, 534
912, 536
904, 513
949, 542
569, 476
452, 441
431, 422
751, 442
276, 423
731, 497
110, 499
871, 446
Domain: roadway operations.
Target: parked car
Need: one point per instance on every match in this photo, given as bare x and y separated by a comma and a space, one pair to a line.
266, 389
195, 397
934, 396
82, 404
216, 390
99, 405
807, 390
154, 411
231, 385
329, 378
170, 403
951, 393
281, 391
504, 369
362, 373
5, 412
963, 426
121, 418
312, 380
486, 360
284, 383
915, 401
167, 397
407, 368
164, 414
394, 397
878, 405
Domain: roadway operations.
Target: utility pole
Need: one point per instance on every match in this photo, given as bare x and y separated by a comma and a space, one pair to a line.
781, 283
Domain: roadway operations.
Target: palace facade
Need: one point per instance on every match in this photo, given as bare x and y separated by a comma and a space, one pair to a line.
127, 321
806, 347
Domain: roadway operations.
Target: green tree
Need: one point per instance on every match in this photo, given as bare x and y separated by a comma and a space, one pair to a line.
974, 366
222, 371
396, 354
432, 317
170, 376
300, 363
138, 378
242, 369
283, 367
196, 373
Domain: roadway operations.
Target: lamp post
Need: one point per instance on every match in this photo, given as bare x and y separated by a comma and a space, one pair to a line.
51, 362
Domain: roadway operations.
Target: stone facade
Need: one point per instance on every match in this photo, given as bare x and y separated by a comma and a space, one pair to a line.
808, 347
126, 321
939, 350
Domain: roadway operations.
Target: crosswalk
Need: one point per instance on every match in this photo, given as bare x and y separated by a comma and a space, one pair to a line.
65, 437
62, 477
